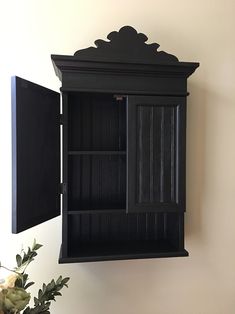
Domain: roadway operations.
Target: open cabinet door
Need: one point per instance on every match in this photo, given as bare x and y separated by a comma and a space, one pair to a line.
35, 154
156, 153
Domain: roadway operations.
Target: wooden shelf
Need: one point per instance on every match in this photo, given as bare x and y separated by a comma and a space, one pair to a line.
96, 211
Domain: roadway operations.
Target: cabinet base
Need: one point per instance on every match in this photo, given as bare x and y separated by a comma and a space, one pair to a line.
120, 251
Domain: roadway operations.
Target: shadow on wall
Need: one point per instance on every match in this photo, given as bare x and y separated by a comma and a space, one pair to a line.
207, 144
195, 166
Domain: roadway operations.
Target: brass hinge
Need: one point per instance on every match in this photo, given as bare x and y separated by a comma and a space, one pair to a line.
61, 119
119, 97
63, 188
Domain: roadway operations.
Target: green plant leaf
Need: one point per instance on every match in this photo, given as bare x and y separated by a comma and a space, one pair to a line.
29, 285
58, 281
18, 260
34, 243
65, 280
37, 246
47, 293
57, 293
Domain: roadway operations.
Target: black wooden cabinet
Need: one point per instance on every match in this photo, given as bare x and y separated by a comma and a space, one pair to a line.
123, 151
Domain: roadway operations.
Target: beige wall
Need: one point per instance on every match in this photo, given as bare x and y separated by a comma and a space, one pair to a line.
201, 30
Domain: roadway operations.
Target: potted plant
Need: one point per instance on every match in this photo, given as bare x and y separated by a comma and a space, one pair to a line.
14, 295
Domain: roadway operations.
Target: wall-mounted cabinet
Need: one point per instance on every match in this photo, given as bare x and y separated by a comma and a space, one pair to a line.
123, 151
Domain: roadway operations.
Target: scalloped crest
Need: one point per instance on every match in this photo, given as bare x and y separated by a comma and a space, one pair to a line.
125, 46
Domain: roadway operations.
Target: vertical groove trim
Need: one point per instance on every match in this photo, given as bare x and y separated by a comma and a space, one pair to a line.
151, 155
162, 156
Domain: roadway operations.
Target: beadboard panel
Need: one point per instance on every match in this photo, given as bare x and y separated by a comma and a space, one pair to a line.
156, 153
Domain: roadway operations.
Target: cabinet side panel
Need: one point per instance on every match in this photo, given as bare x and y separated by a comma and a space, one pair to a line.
65, 174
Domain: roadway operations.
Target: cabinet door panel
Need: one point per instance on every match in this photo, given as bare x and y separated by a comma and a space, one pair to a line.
36, 154
156, 153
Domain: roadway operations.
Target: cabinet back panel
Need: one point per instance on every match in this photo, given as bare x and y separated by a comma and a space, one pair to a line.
97, 122
96, 182
120, 227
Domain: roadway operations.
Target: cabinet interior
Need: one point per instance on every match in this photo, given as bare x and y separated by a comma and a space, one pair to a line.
97, 152
98, 224
97, 122
96, 182
123, 235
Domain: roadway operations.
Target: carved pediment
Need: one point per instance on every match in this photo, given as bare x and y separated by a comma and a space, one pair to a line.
125, 46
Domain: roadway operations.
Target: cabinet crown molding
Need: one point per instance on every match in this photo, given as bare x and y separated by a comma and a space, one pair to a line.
126, 45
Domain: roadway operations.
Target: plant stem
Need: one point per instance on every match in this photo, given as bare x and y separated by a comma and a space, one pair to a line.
11, 270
